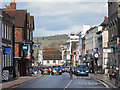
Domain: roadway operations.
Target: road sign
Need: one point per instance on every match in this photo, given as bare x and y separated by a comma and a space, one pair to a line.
96, 55
107, 50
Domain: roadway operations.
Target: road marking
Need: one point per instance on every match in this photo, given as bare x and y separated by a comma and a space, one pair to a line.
68, 84
103, 84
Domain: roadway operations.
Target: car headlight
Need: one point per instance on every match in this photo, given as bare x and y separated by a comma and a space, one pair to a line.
87, 71
78, 71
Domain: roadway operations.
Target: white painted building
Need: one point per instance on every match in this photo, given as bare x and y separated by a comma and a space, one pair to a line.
81, 35
91, 42
40, 57
72, 40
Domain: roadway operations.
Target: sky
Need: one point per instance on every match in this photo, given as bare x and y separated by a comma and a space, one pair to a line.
61, 17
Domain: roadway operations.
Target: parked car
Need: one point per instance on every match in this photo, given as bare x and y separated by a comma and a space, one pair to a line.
63, 69
81, 70
56, 70
45, 70
67, 69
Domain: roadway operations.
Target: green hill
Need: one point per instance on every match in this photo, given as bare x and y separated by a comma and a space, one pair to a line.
50, 41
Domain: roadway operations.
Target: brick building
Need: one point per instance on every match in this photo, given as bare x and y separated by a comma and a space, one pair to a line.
23, 35
51, 56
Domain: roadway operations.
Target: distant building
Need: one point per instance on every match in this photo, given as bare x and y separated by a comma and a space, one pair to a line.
72, 40
52, 56
79, 44
6, 42
91, 45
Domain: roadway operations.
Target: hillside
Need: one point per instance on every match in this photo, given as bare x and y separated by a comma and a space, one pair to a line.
50, 41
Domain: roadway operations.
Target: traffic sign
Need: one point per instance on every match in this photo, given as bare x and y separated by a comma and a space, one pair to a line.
96, 55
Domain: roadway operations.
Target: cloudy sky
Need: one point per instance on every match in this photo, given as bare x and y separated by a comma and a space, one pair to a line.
53, 18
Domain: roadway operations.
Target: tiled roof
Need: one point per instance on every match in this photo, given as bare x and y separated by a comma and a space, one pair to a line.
19, 15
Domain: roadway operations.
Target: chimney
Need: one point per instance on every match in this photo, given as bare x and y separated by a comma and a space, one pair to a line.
105, 17
13, 5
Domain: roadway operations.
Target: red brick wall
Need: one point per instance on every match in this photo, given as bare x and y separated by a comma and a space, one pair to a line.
16, 50
18, 35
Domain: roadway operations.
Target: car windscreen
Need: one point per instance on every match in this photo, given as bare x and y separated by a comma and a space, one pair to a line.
82, 67
56, 66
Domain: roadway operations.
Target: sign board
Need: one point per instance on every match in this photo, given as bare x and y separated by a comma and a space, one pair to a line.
25, 47
7, 50
37, 46
108, 50
5, 75
96, 55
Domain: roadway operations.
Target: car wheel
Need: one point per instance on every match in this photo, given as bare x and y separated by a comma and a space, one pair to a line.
51, 73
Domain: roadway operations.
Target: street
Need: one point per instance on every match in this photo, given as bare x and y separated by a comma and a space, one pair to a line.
63, 81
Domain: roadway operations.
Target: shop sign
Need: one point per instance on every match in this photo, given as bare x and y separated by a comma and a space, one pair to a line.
108, 50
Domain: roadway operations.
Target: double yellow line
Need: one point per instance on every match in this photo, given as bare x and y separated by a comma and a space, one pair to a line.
103, 84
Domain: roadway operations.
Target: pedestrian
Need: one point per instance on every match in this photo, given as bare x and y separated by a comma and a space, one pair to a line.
90, 68
70, 70
110, 73
96, 68
117, 72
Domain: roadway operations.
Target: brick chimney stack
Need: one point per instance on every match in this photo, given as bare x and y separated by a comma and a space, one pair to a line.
12, 6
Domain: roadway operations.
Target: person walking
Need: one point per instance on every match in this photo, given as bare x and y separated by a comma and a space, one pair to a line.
90, 68
70, 70
96, 68
110, 73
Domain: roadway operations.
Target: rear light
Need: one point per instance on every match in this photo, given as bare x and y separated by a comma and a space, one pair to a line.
52, 69
48, 69
42, 69
61, 68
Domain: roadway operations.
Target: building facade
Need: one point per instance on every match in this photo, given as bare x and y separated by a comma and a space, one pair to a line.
23, 35
72, 41
52, 56
114, 32
91, 46
103, 44
6, 42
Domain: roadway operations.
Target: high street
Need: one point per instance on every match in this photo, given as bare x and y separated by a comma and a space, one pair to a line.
64, 81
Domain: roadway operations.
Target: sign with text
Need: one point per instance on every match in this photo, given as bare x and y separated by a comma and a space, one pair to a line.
108, 50
25, 47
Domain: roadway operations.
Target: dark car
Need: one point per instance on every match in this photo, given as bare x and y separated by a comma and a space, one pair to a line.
56, 70
63, 69
45, 70
81, 70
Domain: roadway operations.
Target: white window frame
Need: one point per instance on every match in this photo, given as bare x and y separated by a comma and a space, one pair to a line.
3, 61
3, 30
28, 34
10, 60
8, 32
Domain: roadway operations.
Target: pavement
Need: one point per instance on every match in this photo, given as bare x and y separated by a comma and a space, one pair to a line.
18, 81
23, 80
104, 78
